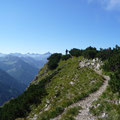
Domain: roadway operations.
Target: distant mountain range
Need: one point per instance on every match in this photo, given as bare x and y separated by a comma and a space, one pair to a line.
36, 56
19, 69
9, 87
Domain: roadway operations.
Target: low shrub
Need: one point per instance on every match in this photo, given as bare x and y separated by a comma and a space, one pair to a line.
75, 52
66, 57
54, 60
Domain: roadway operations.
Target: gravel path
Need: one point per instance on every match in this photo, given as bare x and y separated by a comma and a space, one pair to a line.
87, 102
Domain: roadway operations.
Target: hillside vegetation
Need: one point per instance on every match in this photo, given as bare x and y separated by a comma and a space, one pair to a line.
53, 91
107, 107
63, 81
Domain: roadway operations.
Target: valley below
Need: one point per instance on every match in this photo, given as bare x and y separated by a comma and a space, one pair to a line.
17, 71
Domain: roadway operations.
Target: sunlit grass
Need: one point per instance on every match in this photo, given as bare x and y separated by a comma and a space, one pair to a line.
70, 85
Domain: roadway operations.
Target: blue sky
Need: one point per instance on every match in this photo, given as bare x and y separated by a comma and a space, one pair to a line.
39, 26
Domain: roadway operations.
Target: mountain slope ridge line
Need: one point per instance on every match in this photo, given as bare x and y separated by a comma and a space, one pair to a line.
87, 102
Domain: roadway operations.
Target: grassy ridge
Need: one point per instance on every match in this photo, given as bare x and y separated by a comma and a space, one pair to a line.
52, 91
70, 85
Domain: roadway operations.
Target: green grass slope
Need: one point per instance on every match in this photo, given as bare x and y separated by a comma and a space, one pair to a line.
52, 91
70, 85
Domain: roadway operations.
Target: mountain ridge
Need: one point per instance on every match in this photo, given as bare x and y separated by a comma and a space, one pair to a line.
9, 87
24, 54
58, 87
22, 70
16, 67
69, 79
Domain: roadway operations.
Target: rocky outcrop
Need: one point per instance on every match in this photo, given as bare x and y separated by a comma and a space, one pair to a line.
94, 64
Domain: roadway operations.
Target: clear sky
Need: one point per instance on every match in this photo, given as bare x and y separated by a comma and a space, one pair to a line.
39, 26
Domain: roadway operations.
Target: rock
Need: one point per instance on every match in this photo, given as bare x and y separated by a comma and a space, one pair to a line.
72, 83
35, 117
47, 108
93, 60
116, 102
88, 64
98, 105
46, 105
98, 66
73, 78
82, 64
97, 59
103, 115
92, 81
47, 101
92, 64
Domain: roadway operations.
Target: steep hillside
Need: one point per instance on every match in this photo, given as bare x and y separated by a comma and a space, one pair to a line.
9, 87
52, 91
18, 69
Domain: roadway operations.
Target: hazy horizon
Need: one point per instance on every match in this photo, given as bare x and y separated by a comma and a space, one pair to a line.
24, 53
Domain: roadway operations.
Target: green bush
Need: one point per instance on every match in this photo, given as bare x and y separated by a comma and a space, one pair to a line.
75, 52
115, 82
59, 110
54, 60
66, 57
90, 52
105, 54
112, 64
